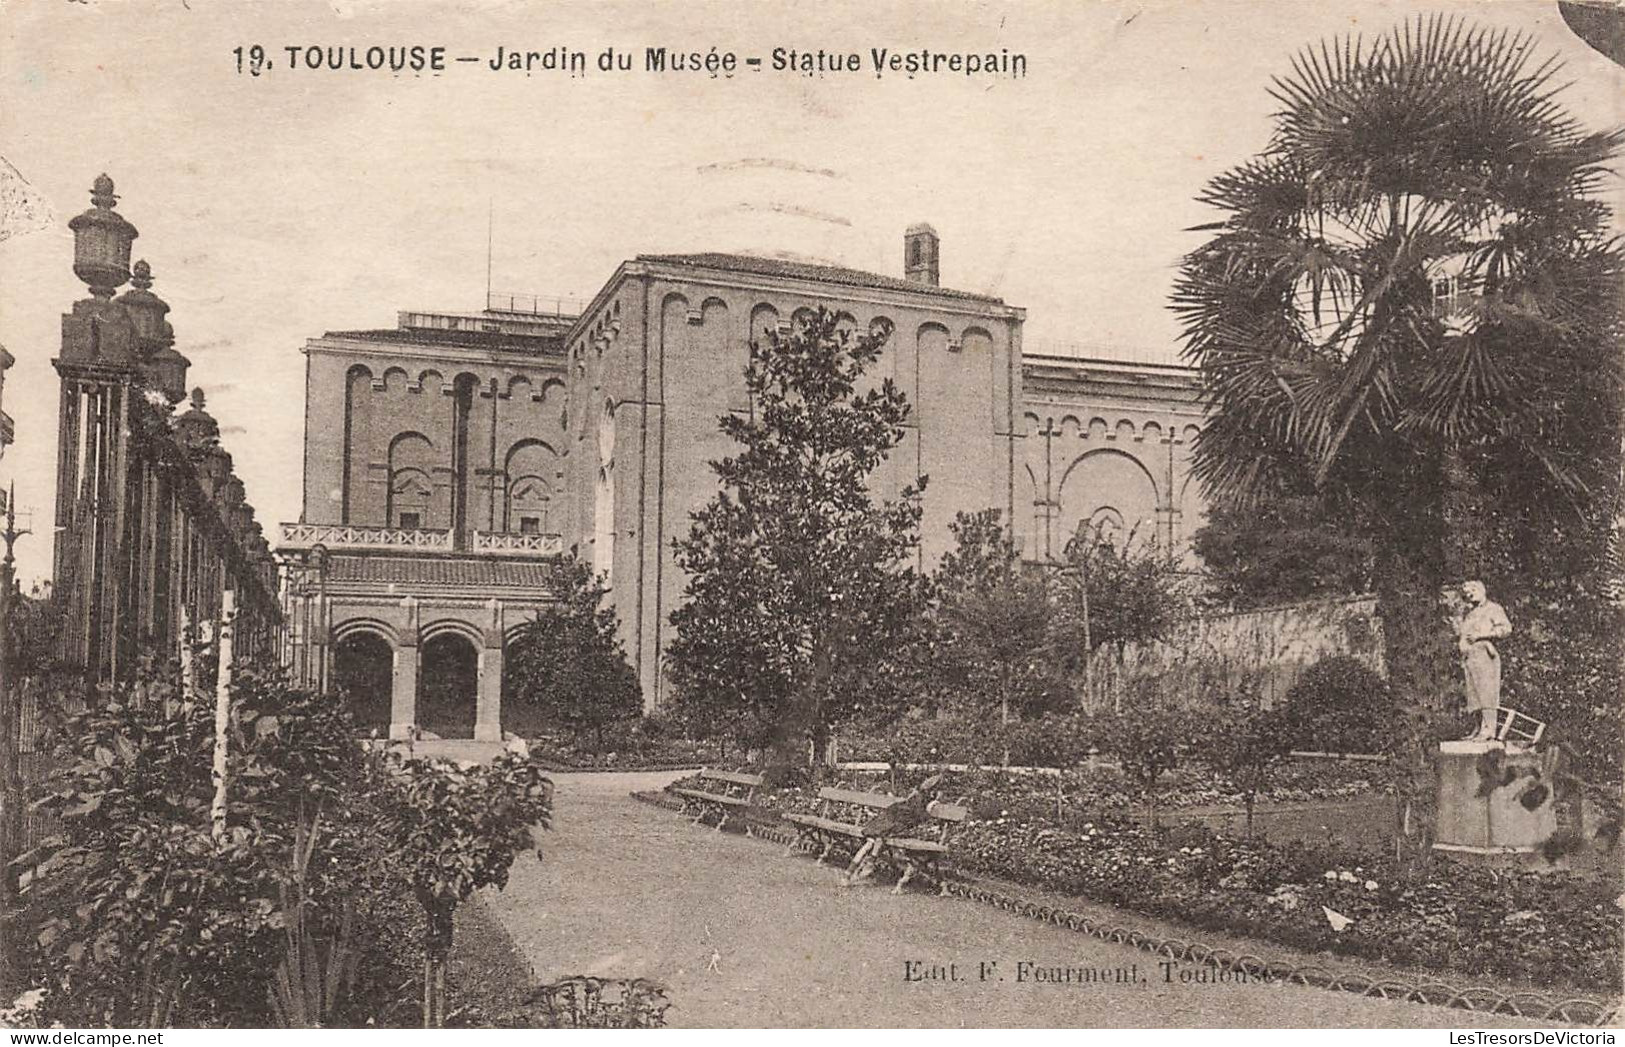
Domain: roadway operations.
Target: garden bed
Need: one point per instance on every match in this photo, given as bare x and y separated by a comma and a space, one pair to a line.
1554, 931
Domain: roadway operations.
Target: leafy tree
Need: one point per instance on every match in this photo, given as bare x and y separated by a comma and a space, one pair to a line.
1282, 550
1245, 744
798, 582
568, 661
1147, 737
1411, 304
457, 829
994, 620
1112, 593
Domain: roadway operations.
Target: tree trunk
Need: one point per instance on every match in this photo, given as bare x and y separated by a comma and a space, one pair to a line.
438, 914
1440, 541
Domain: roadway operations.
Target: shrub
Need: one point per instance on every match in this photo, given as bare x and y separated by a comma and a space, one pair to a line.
1340, 705
1147, 739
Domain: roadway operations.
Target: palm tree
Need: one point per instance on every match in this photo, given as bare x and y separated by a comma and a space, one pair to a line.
1411, 306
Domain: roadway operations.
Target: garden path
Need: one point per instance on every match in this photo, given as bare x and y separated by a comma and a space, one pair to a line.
630, 890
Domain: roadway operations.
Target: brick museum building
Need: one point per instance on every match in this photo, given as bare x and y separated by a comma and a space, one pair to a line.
449, 461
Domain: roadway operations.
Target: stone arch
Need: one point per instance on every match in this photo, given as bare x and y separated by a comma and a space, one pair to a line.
364, 674
410, 495
430, 381
547, 387
394, 379
358, 390
975, 340
518, 384
448, 679
1097, 429
376, 626
764, 320
529, 469
1151, 431
1125, 430
458, 626
1114, 479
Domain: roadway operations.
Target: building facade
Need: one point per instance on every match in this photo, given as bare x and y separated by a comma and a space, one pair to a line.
434, 495
448, 461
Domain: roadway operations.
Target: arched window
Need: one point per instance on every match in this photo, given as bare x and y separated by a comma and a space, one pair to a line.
528, 500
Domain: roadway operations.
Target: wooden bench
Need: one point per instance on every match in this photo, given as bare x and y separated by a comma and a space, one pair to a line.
732, 794
842, 814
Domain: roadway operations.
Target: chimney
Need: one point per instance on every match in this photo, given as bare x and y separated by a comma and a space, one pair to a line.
920, 255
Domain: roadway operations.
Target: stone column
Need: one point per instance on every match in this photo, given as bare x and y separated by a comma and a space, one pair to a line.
403, 697
488, 701
488, 707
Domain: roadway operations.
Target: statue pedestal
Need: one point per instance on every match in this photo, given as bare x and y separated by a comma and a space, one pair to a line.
1498, 823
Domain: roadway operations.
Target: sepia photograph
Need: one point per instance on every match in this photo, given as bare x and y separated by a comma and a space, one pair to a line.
1013, 514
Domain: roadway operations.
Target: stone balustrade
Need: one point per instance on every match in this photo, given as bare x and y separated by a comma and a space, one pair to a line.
347, 537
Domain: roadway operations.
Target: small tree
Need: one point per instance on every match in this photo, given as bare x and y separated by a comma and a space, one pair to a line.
995, 620
1112, 593
568, 660
1245, 745
1147, 738
456, 830
798, 579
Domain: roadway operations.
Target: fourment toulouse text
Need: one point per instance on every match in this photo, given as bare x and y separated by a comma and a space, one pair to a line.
418, 59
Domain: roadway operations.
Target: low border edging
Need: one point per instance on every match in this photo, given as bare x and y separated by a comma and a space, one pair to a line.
1484, 999
648, 768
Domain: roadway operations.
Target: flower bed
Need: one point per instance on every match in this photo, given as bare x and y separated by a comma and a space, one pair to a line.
1551, 930
633, 752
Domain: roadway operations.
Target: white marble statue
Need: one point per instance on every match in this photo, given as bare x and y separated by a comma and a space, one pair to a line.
1484, 622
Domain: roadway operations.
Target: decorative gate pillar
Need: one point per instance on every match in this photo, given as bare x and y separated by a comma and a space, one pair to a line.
488, 703
403, 698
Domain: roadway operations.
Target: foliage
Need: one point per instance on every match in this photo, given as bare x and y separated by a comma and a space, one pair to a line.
151, 917
798, 582
1245, 746
33, 631
585, 1002
1113, 593
1148, 737
1552, 930
1339, 705
458, 829
146, 917
648, 741
992, 624
568, 660
1411, 305
1285, 549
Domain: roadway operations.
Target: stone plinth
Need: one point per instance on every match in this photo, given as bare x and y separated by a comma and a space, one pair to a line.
1497, 823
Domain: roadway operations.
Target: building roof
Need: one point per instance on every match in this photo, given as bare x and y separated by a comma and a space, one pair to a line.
831, 274
476, 573
499, 340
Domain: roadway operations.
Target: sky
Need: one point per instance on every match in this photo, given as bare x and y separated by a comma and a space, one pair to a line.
277, 207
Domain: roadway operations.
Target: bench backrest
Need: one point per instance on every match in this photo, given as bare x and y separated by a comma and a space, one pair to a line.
948, 812
736, 777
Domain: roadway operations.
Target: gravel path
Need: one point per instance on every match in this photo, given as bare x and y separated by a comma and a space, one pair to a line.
629, 890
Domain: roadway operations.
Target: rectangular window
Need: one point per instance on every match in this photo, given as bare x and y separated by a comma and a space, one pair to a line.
530, 525
411, 521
